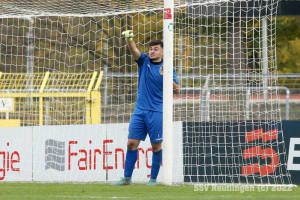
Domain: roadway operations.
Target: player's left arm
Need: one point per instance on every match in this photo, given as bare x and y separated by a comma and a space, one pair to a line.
176, 88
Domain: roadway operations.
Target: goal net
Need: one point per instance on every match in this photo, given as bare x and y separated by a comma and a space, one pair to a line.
69, 85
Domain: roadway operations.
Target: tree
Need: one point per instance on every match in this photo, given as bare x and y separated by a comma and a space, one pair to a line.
288, 44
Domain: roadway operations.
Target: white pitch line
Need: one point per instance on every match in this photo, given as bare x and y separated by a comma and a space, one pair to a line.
92, 197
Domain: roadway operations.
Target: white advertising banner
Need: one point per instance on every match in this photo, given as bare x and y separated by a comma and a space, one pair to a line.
86, 153
69, 153
16, 154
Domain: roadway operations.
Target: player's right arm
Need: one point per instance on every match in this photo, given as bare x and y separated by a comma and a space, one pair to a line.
131, 44
133, 49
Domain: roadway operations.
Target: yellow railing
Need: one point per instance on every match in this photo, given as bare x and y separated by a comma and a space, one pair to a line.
77, 88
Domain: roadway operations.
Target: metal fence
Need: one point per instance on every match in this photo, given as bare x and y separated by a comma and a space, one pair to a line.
202, 98
51, 98
197, 99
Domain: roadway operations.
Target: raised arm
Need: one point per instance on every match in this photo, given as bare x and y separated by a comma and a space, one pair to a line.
131, 44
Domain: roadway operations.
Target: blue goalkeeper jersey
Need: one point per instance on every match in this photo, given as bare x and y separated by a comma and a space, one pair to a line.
150, 88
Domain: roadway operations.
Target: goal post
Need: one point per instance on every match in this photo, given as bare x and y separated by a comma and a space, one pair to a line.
168, 92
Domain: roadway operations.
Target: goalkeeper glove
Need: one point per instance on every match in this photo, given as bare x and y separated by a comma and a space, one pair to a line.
128, 35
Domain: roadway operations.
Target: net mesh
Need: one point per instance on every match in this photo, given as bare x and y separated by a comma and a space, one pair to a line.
227, 109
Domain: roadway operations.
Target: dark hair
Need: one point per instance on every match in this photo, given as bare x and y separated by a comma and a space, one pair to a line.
156, 42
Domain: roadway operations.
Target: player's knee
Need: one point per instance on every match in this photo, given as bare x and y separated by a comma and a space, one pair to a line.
131, 145
156, 147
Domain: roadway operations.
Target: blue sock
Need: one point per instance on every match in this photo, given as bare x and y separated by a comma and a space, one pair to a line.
156, 162
130, 160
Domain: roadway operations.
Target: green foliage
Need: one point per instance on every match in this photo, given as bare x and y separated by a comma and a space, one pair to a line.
84, 44
288, 44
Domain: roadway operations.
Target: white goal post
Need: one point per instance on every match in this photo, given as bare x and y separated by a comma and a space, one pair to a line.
73, 85
168, 92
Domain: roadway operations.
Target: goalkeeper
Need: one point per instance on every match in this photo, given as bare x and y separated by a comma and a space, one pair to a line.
147, 116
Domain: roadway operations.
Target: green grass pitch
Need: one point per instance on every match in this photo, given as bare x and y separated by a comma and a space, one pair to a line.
136, 191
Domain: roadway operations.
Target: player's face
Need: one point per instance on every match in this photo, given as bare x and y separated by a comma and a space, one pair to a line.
155, 53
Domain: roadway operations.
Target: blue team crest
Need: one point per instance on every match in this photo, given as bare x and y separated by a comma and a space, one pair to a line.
161, 70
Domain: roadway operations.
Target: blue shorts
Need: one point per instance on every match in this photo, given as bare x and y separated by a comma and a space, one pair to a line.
145, 121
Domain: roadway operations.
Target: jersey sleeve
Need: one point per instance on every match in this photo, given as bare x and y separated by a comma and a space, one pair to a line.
175, 79
141, 59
